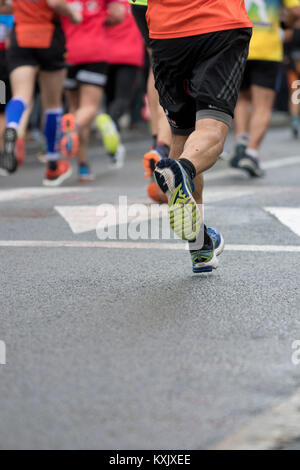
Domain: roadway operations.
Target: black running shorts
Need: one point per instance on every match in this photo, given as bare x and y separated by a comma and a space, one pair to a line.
263, 73
199, 77
139, 13
86, 74
50, 59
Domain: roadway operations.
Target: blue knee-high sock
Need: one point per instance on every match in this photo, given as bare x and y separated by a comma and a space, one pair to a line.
52, 132
14, 112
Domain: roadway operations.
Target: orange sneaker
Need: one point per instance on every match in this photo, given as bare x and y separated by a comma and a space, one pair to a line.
20, 150
58, 176
156, 194
151, 159
70, 141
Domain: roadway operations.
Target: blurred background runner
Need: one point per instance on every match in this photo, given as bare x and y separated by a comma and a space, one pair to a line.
126, 57
87, 56
261, 81
118, 101
37, 49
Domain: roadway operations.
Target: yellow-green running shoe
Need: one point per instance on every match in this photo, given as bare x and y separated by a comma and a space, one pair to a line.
184, 214
109, 131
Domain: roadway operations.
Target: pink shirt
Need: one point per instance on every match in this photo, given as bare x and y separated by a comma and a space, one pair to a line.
87, 42
125, 43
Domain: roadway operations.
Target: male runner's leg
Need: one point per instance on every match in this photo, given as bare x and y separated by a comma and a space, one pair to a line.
200, 111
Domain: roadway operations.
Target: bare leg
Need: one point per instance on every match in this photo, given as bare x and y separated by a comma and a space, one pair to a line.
51, 84
202, 148
242, 113
163, 127
177, 146
83, 144
72, 97
89, 102
262, 102
22, 82
24, 122
205, 144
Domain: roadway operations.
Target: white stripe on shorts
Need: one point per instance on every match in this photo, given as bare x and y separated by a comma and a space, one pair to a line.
91, 78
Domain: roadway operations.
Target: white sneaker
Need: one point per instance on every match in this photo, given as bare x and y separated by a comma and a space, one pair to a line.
117, 160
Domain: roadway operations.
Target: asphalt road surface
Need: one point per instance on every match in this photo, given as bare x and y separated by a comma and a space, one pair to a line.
121, 346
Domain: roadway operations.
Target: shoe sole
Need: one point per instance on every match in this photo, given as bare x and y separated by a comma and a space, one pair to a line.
150, 161
58, 181
70, 138
9, 160
184, 215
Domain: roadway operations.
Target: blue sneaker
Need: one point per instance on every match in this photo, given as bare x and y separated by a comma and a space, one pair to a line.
217, 239
205, 259
239, 152
84, 173
184, 214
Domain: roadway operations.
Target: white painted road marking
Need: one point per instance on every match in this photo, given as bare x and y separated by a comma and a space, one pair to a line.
270, 430
36, 192
139, 245
288, 216
269, 165
32, 193
83, 219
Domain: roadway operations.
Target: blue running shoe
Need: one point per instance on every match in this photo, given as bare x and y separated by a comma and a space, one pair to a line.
84, 173
184, 214
239, 152
205, 259
218, 240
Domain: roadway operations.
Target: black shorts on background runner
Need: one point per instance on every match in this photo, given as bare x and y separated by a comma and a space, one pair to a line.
263, 73
139, 13
86, 74
199, 77
48, 59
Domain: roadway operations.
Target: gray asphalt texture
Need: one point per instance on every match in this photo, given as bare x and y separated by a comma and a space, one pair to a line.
119, 348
